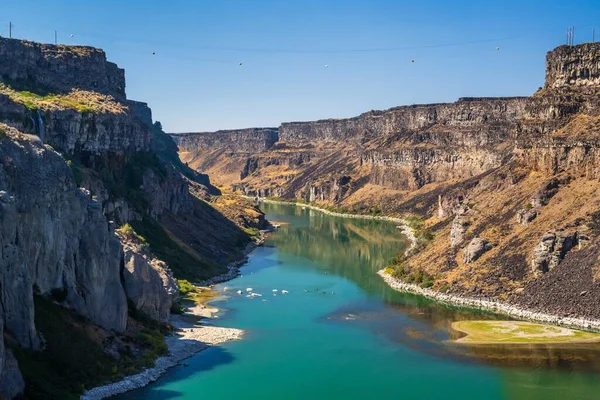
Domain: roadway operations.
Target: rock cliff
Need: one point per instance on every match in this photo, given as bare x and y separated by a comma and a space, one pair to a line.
78, 164
253, 140
58, 68
573, 66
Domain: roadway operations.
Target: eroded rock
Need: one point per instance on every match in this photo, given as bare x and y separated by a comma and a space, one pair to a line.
460, 224
526, 215
475, 249
551, 250
148, 281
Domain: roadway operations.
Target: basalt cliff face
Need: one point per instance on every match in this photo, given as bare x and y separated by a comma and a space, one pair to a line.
501, 192
98, 216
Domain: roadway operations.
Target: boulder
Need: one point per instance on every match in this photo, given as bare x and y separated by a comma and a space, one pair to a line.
475, 249
459, 227
551, 250
526, 215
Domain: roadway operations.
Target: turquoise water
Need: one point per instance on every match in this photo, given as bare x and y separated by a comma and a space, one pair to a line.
341, 333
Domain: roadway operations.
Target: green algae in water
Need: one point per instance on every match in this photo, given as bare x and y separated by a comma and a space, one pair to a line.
520, 332
350, 336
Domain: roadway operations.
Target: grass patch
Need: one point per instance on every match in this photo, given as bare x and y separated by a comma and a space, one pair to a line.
72, 361
128, 231
519, 332
183, 264
417, 225
80, 100
35, 101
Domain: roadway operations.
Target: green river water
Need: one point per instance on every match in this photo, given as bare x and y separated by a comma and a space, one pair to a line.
341, 333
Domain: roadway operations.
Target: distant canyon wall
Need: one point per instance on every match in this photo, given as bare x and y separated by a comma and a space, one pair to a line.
246, 140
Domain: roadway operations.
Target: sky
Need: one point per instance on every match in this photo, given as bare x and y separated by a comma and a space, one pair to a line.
308, 59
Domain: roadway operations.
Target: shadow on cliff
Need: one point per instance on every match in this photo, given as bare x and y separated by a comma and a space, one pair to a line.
207, 360
208, 232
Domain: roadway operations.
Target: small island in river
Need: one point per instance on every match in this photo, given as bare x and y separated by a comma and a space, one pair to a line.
519, 332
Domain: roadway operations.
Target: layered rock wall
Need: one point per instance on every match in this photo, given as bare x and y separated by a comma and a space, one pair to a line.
59, 68
242, 140
573, 66
469, 114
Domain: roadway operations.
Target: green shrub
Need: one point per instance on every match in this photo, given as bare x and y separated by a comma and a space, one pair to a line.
128, 231
70, 360
185, 287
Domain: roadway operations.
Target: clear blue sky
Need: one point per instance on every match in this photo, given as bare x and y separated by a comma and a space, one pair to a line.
195, 83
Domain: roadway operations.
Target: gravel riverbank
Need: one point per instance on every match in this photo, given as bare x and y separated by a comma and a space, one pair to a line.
493, 306
489, 305
189, 339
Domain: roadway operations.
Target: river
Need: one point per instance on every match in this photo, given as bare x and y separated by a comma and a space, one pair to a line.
341, 333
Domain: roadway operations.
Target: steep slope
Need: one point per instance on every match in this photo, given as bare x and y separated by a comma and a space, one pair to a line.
502, 192
98, 216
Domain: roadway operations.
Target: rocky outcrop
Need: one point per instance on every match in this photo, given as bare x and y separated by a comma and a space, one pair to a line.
59, 68
475, 249
71, 131
573, 66
414, 168
167, 193
460, 224
141, 110
75, 166
252, 140
526, 215
148, 281
469, 121
551, 250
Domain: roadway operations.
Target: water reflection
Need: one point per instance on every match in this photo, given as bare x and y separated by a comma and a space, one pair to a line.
357, 249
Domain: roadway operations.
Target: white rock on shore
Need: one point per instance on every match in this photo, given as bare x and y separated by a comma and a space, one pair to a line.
493, 306
187, 341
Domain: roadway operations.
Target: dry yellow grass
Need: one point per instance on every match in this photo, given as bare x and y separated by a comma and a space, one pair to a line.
80, 100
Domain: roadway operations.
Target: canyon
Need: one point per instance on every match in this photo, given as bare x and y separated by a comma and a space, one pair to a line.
500, 192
